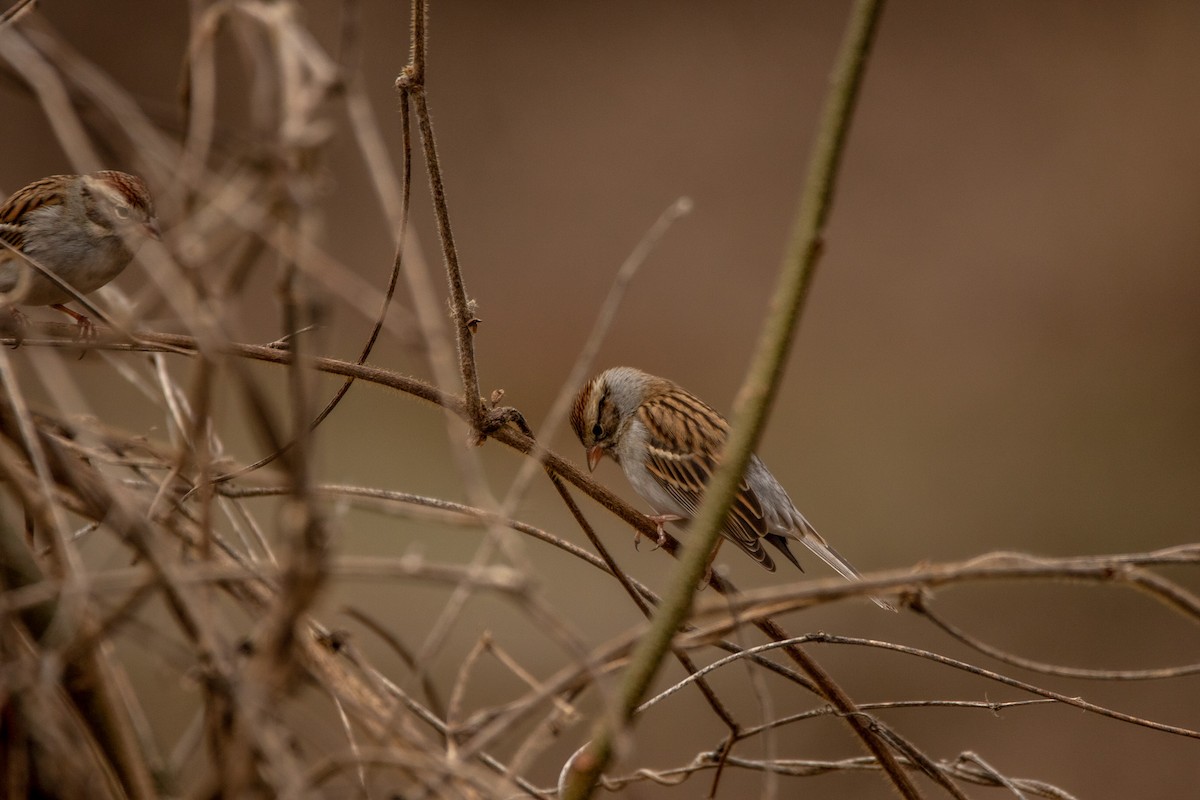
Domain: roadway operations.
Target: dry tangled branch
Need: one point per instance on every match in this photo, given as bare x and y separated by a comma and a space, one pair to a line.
167, 622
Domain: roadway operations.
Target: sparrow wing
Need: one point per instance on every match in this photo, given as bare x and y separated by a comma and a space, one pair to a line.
37, 194
685, 437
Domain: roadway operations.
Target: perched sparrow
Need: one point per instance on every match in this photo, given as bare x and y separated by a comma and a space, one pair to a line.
667, 442
77, 227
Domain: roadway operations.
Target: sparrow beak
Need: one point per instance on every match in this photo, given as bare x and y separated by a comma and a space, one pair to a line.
594, 454
153, 230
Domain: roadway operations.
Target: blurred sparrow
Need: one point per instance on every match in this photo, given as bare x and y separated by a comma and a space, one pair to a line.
667, 442
76, 227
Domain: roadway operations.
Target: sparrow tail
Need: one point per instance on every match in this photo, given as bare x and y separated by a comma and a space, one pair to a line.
813, 542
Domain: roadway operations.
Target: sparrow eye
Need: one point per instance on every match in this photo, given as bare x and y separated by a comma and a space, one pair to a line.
597, 431
121, 212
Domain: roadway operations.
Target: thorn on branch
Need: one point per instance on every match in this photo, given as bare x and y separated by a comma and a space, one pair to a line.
285, 342
497, 418
408, 79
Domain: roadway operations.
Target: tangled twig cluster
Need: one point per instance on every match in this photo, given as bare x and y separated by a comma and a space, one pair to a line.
224, 590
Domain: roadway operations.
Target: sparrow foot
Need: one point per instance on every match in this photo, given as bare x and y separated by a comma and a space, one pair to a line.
659, 520
85, 331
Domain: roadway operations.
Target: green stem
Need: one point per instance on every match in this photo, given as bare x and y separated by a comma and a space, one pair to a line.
749, 418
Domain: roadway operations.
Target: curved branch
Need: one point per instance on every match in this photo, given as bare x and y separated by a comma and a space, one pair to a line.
749, 418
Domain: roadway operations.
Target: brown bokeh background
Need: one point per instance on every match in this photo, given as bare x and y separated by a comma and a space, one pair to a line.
1001, 350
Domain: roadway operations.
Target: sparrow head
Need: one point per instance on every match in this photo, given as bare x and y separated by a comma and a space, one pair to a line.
117, 201
604, 408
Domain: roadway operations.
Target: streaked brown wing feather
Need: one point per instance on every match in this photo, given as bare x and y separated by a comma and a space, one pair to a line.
685, 468
35, 195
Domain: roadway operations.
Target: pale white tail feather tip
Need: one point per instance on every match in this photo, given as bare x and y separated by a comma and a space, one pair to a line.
830, 557
885, 605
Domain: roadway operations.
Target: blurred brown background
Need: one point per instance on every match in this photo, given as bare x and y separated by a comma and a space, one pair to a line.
1001, 350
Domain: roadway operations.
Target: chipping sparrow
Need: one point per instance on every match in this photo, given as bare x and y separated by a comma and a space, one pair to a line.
75, 226
667, 442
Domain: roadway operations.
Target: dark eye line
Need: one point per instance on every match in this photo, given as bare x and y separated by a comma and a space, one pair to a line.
598, 429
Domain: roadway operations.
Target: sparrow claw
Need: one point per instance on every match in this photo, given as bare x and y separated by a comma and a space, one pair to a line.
85, 330
659, 520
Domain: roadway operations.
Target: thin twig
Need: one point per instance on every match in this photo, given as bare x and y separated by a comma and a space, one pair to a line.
921, 606
412, 86
750, 413
825, 638
627, 584
591, 346
13, 13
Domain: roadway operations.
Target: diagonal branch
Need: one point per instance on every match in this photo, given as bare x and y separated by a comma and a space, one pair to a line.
749, 419
411, 85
